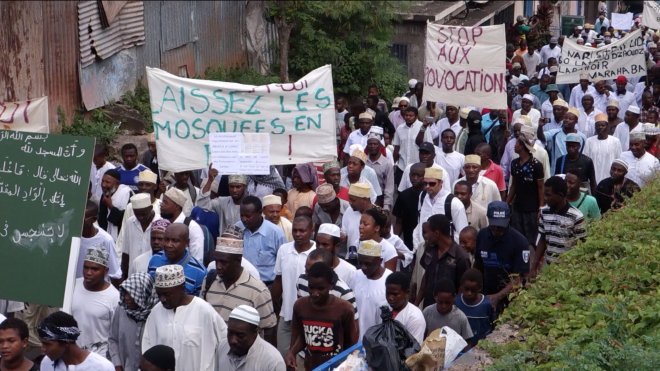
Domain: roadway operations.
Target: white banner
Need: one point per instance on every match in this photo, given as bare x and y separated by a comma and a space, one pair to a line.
30, 115
622, 21
299, 116
651, 15
466, 65
622, 57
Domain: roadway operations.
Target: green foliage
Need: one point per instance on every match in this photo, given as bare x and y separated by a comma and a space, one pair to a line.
139, 100
352, 36
241, 75
98, 125
598, 309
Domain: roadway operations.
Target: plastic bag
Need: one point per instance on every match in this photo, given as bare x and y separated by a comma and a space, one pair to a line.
439, 350
388, 345
354, 362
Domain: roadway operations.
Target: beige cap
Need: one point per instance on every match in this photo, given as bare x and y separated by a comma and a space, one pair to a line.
613, 103
473, 159
574, 111
141, 201
169, 276
176, 195
229, 245
237, 179
560, 102
433, 173
365, 116
271, 200
358, 151
361, 190
325, 193
370, 248
464, 112
523, 120
600, 117
148, 176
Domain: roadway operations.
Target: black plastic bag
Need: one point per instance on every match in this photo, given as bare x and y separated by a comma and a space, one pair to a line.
389, 344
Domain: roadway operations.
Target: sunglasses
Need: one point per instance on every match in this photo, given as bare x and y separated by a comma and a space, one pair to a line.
430, 184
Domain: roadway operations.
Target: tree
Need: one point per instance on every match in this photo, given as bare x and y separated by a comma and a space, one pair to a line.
353, 36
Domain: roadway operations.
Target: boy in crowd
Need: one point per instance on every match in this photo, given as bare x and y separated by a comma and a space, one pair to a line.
397, 290
467, 239
445, 313
475, 305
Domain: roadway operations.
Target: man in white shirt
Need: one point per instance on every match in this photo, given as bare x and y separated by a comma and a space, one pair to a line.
182, 182
579, 90
433, 202
602, 148
113, 202
157, 244
450, 160
629, 125
396, 116
531, 59
360, 201
484, 190
528, 109
184, 322
94, 237
405, 142
626, 98
328, 238
602, 96
551, 50
172, 210
136, 233
289, 265
450, 121
397, 288
359, 136
587, 119
148, 184
642, 166
94, 302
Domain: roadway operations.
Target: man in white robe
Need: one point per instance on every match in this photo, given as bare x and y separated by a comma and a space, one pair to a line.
184, 322
602, 148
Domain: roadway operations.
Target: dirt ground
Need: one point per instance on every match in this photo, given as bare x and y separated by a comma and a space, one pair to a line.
477, 358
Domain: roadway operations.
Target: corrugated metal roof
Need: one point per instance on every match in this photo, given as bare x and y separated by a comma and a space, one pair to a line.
178, 23
126, 31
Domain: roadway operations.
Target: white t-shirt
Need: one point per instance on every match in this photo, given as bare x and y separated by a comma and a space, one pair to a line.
369, 297
140, 263
388, 251
412, 319
2, 318
94, 311
350, 225
290, 264
93, 362
104, 240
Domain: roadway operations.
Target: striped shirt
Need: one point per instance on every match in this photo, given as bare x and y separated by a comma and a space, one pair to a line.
246, 290
561, 229
340, 290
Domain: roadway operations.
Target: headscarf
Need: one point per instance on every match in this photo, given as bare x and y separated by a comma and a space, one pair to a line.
51, 332
307, 173
140, 286
272, 181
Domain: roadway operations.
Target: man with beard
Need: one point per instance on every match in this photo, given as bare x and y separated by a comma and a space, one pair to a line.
113, 202
383, 167
586, 121
244, 348
642, 166
181, 319
612, 192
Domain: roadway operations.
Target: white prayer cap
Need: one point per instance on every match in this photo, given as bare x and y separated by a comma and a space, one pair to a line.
229, 245
637, 135
412, 83
148, 176
621, 162
141, 201
528, 97
330, 229
370, 248
169, 276
395, 102
176, 195
97, 255
633, 109
245, 313
271, 200
404, 99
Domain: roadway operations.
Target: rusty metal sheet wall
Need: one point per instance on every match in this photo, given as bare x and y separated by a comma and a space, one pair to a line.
220, 34
178, 20
22, 71
61, 57
179, 61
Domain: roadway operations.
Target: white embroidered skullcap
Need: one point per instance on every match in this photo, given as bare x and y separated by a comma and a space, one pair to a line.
148, 176
271, 200
169, 276
97, 255
245, 313
176, 195
141, 201
229, 245
370, 248
330, 229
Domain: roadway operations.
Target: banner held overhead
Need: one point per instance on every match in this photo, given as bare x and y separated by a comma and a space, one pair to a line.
30, 115
299, 117
622, 57
651, 15
466, 65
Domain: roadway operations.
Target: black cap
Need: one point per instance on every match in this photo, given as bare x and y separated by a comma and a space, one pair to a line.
427, 147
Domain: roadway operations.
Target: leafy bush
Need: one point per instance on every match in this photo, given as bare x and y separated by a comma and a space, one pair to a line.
598, 309
98, 125
139, 100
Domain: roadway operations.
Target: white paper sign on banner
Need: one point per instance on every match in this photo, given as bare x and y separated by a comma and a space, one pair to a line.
30, 115
240, 153
299, 117
622, 21
466, 65
622, 57
651, 14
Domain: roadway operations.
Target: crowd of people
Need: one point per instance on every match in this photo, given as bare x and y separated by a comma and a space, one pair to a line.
432, 210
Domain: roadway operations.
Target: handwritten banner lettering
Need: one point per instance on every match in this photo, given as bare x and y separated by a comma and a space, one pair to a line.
465, 65
299, 117
43, 189
651, 14
622, 57
30, 115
